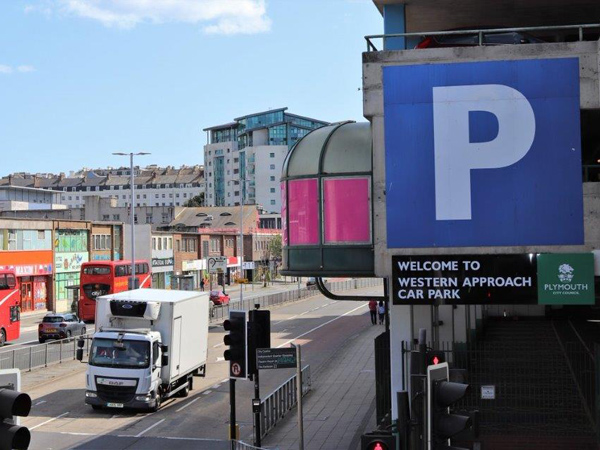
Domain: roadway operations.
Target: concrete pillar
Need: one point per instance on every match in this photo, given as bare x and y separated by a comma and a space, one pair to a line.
460, 324
399, 332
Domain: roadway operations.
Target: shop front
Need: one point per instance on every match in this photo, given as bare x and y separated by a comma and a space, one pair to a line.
162, 271
194, 267
71, 251
34, 272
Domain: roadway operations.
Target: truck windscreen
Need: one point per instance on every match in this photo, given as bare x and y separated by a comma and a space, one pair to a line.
129, 355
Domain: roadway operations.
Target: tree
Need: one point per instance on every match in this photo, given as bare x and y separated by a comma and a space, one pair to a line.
196, 201
275, 247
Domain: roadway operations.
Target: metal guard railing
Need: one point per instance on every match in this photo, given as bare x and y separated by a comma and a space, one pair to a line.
479, 31
276, 405
42, 355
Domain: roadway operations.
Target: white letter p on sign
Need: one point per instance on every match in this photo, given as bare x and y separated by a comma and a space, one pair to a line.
456, 156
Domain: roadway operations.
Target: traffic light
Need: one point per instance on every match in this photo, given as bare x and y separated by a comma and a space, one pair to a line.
237, 340
434, 357
262, 321
12, 405
378, 441
441, 395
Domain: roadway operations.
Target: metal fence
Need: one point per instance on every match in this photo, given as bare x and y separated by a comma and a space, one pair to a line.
42, 355
480, 33
541, 391
276, 405
219, 313
241, 445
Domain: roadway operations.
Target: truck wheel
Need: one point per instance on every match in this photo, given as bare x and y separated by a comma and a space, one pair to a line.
158, 402
185, 391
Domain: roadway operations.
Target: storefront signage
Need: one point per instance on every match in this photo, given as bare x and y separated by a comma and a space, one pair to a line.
566, 279
464, 279
30, 269
193, 265
163, 262
70, 262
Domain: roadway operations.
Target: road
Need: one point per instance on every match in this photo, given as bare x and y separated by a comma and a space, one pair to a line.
29, 324
60, 420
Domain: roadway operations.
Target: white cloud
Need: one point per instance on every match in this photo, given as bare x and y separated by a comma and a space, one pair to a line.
216, 16
4, 69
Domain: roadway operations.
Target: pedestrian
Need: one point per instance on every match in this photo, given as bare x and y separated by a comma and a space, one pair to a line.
373, 311
202, 284
381, 311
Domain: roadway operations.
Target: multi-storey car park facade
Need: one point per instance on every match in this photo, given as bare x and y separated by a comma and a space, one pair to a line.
154, 186
245, 157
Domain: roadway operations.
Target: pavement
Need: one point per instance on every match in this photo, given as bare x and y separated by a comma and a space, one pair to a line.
341, 404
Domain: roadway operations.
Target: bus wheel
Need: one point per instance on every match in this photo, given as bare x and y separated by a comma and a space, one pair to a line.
2, 337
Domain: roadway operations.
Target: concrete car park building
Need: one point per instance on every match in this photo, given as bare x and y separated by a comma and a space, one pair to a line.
251, 149
477, 176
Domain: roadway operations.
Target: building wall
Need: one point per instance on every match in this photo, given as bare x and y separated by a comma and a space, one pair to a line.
267, 174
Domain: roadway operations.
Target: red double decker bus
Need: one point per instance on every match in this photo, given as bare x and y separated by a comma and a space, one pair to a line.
10, 316
107, 277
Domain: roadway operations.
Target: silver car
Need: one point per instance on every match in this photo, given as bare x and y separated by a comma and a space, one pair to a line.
60, 326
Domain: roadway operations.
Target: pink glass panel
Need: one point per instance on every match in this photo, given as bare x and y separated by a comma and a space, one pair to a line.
303, 211
347, 210
284, 227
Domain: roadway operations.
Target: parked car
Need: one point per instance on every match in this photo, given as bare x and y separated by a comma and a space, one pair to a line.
312, 281
219, 298
472, 39
60, 326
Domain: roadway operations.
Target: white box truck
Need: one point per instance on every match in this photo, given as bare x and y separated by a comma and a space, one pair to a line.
148, 345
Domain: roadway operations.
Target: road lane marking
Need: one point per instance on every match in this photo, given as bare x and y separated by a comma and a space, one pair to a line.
40, 402
149, 428
207, 392
73, 433
322, 325
218, 345
224, 380
220, 358
48, 421
187, 404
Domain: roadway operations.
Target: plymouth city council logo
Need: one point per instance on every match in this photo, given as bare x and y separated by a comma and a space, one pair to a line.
565, 273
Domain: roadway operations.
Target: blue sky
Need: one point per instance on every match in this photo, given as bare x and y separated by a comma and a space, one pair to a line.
80, 79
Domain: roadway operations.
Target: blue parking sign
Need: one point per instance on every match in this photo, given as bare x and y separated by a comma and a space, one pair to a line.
483, 154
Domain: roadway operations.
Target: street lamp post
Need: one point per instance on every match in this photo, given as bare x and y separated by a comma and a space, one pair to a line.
242, 186
132, 203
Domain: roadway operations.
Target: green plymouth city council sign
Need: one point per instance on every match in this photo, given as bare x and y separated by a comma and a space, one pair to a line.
566, 279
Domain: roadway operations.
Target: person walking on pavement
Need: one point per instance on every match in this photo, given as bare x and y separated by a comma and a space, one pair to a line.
373, 311
202, 284
381, 311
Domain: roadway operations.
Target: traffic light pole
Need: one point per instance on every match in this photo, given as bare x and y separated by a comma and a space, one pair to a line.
232, 422
257, 430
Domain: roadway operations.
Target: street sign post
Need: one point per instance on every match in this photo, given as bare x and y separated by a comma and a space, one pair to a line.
217, 264
276, 358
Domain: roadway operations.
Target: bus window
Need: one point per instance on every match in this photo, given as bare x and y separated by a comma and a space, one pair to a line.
141, 268
11, 281
96, 270
122, 271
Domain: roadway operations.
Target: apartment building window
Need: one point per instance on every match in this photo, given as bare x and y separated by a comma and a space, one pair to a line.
272, 167
164, 243
116, 217
215, 245
170, 195
138, 196
184, 195
124, 197
105, 217
163, 196
148, 218
135, 219
272, 178
272, 190
271, 155
165, 217
144, 195
155, 195
70, 197
272, 202
177, 195
236, 193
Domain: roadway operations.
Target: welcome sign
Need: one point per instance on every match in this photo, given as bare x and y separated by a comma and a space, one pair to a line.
547, 279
